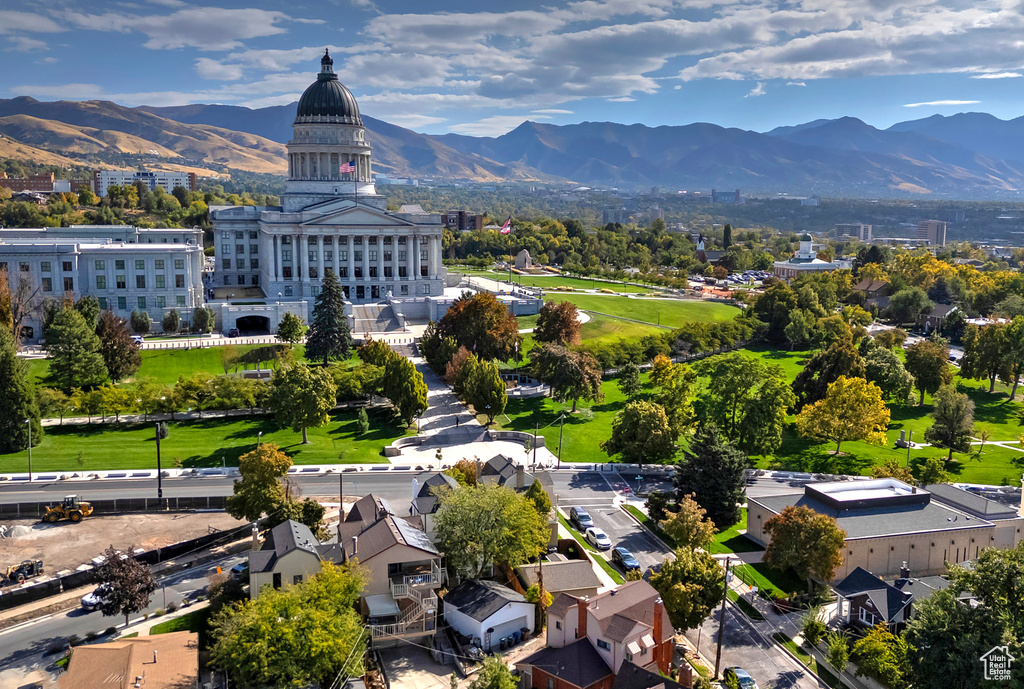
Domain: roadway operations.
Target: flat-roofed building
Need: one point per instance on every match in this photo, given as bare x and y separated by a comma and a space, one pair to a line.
853, 230
932, 231
167, 180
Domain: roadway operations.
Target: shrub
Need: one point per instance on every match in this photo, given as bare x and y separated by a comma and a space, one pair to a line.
110, 631
171, 607
54, 648
813, 628
91, 636
159, 612
73, 640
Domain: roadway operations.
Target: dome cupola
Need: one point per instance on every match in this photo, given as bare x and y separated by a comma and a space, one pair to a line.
327, 99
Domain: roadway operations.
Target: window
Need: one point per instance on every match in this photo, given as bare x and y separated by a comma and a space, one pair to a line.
225, 235
140, 264
373, 254
328, 255
179, 264
629, 656
296, 580
867, 617
253, 234
122, 303
286, 240
140, 282
358, 255
44, 266
100, 265
373, 271
423, 271
158, 264
401, 255
121, 283
387, 241
311, 240
161, 281
24, 267
328, 241
101, 282
239, 235
551, 682
47, 284
180, 300
423, 254
65, 265
405, 290
387, 272
387, 255
312, 255
314, 291
312, 272
286, 272
601, 643
69, 284
225, 248
254, 263
359, 271
254, 248
358, 241
402, 271
239, 248
401, 240
225, 263
287, 290
142, 303
118, 265
161, 302
3, 265
342, 254
103, 303
424, 289
343, 272
255, 279
286, 254
277, 580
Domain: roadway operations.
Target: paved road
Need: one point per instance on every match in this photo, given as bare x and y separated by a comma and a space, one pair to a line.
33, 639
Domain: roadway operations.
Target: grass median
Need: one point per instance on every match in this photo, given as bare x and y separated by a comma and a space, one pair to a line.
807, 659
594, 552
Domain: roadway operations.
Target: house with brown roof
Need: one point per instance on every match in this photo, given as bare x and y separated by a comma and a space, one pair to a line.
164, 661
872, 289
589, 640
561, 575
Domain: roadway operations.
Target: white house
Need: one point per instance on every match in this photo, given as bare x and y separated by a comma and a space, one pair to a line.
487, 612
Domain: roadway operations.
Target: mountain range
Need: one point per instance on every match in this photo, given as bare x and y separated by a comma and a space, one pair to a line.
965, 156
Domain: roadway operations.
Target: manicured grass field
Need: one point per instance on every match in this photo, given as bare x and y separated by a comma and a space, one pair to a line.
551, 281
670, 312
732, 541
203, 443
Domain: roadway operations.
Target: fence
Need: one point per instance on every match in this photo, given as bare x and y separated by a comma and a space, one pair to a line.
22, 510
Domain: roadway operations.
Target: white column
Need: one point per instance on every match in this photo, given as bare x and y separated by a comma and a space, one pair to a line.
380, 266
351, 262
277, 255
320, 257
409, 257
394, 259
433, 249
416, 262
304, 263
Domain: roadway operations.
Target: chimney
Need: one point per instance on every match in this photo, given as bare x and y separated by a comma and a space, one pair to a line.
581, 627
355, 545
255, 537
659, 653
520, 476
904, 571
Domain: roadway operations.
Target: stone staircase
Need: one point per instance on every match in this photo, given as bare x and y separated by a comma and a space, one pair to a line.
374, 318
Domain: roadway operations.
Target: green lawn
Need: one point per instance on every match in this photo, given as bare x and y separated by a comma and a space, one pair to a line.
732, 541
807, 659
194, 621
772, 581
203, 443
748, 609
550, 281
671, 312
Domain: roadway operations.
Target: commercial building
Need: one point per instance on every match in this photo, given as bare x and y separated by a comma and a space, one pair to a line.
890, 524
462, 221
126, 268
733, 197
932, 231
167, 180
45, 184
853, 230
805, 260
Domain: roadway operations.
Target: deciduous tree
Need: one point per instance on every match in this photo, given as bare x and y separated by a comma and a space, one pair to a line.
303, 397
539, 497
629, 380
882, 656
404, 387
689, 527
805, 541
691, 585
954, 421
171, 322
202, 319
558, 322
329, 338
714, 472
484, 389
258, 491
290, 329
883, 368
909, 303
483, 325
824, 368
140, 322
494, 674
131, 583
892, 468
852, 410
572, 375
120, 353
641, 434
928, 362
984, 354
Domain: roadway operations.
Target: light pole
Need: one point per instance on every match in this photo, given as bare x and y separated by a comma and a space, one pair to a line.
259, 438
28, 422
487, 413
910, 441
159, 482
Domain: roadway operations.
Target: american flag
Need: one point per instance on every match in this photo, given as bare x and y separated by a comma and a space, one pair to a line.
507, 227
350, 166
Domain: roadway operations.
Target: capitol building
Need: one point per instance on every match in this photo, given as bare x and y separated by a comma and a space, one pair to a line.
330, 218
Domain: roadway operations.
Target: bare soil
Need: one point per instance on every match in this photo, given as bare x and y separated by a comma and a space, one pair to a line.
65, 545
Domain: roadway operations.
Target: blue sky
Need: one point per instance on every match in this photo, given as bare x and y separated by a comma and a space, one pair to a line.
451, 66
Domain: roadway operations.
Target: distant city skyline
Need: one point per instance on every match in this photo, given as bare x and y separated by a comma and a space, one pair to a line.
448, 67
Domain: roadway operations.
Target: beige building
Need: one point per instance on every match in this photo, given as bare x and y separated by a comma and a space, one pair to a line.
932, 231
890, 524
165, 661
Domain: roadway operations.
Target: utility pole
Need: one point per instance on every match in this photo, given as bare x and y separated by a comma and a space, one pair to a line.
341, 503
721, 619
910, 441
159, 481
561, 423
28, 422
535, 431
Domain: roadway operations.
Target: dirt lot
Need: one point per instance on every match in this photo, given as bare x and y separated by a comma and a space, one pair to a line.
66, 546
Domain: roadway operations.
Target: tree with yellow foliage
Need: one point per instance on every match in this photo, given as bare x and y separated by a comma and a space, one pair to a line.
852, 410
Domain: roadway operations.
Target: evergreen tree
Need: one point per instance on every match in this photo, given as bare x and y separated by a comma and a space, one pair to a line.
140, 322
89, 307
713, 470
172, 322
17, 399
329, 337
74, 348
202, 319
120, 353
629, 380
727, 236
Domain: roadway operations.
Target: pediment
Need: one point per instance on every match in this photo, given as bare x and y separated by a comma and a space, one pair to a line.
348, 213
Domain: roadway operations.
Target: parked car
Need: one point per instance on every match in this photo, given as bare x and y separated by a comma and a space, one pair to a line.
93, 601
624, 559
598, 538
233, 332
741, 677
241, 571
580, 518
138, 339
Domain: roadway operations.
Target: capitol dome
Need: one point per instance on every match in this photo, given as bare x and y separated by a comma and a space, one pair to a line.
327, 99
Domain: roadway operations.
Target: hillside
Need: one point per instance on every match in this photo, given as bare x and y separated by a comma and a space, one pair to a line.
21, 151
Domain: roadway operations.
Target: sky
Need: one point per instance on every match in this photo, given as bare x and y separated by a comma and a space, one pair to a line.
483, 68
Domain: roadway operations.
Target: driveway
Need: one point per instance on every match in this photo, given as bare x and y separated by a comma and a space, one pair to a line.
411, 667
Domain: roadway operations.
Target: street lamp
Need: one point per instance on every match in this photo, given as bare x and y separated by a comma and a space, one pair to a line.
487, 413
259, 437
159, 481
28, 422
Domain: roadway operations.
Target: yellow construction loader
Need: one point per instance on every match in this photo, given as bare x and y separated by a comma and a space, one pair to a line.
72, 508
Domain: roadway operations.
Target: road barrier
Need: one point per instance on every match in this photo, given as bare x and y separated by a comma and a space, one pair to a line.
24, 510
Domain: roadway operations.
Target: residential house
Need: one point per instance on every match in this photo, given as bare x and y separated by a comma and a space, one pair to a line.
632, 676
164, 661
505, 472
871, 289
562, 575
486, 612
425, 503
934, 318
290, 554
866, 600
589, 639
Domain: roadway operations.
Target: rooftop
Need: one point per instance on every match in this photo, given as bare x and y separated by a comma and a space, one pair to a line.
845, 495
165, 661
579, 663
569, 575
480, 599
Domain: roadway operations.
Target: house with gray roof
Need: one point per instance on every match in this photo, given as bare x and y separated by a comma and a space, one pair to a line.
866, 600
486, 612
561, 575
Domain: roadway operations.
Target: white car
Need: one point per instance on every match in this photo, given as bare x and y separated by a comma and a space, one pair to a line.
598, 538
97, 598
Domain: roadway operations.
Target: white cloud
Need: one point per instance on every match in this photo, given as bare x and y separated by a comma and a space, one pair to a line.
211, 69
414, 120
621, 99
48, 60
795, 83
758, 90
677, 87
12, 22
489, 126
940, 102
997, 75
551, 111
24, 44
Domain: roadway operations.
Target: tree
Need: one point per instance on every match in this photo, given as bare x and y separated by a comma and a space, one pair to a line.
882, 655
984, 353
691, 586
928, 362
328, 338
954, 325
290, 329
661, 371
404, 388
689, 527
558, 322
362, 421
727, 236
131, 583
1013, 353
307, 512
892, 468
194, 392
909, 303
17, 399
484, 389
747, 399
883, 368
853, 409
140, 322
838, 652
954, 421
89, 307
120, 353
539, 497
171, 322
890, 339
303, 397
676, 397
52, 402
714, 472
258, 491
824, 368
318, 634
376, 352
801, 328
487, 523
494, 674
813, 628
74, 348
994, 578
202, 318
805, 541
629, 380
931, 471
572, 375
483, 325
641, 434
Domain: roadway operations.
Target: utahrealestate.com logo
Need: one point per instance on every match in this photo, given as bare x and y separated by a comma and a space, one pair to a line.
997, 663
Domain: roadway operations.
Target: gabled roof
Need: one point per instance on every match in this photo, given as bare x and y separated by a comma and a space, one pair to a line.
579, 663
384, 533
569, 575
282, 539
632, 676
887, 599
498, 469
633, 600
561, 604
426, 501
481, 599
167, 661
867, 285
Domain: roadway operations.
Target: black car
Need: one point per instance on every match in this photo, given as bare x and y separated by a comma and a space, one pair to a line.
580, 518
624, 559
233, 332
